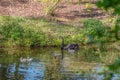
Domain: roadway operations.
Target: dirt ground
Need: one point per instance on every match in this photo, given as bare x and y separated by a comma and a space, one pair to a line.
68, 11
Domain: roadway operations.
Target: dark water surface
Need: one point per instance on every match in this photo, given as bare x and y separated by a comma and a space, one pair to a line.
50, 64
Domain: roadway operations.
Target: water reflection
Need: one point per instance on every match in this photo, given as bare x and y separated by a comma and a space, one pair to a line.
49, 64
22, 71
32, 71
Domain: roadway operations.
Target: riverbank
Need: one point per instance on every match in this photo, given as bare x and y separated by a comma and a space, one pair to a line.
20, 31
30, 32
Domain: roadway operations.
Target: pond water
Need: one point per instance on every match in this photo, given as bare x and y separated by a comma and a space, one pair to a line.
52, 64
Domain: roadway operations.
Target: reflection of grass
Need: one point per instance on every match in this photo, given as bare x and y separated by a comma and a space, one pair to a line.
105, 53
76, 63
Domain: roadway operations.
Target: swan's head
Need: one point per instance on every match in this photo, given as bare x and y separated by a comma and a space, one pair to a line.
60, 37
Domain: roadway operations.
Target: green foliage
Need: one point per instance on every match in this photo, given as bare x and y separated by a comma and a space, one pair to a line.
110, 4
114, 7
115, 66
11, 30
15, 35
16, 31
94, 29
109, 71
32, 38
117, 28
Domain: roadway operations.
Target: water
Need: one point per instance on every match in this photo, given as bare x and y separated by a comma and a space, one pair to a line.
50, 64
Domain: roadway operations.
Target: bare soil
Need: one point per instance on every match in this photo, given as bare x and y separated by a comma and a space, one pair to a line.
21, 8
68, 11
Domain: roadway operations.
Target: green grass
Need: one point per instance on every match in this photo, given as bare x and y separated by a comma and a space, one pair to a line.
19, 31
29, 32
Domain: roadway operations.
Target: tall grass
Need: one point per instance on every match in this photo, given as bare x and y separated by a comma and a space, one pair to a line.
19, 31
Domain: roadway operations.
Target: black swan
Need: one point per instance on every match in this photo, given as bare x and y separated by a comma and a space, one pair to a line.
69, 47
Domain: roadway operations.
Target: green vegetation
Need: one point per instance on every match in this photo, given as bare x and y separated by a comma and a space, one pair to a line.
95, 30
111, 70
18, 31
100, 39
117, 28
110, 5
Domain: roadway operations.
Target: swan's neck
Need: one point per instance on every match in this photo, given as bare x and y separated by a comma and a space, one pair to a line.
62, 46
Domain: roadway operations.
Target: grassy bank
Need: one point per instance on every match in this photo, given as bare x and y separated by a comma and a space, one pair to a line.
28, 32
19, 31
